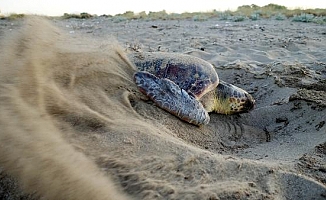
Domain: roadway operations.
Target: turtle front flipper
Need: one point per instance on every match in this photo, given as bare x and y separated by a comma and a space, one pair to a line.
171, 98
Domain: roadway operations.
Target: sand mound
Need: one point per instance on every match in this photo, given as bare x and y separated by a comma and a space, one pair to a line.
72, 122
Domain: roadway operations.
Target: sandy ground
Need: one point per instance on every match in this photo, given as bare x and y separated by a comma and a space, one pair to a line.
73, 122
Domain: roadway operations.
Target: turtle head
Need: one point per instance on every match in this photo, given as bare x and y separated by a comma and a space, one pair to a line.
229, 99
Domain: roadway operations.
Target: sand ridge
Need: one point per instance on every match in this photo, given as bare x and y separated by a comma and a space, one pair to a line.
70, 101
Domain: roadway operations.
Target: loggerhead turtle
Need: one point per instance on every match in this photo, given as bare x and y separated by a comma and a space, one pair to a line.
187, 87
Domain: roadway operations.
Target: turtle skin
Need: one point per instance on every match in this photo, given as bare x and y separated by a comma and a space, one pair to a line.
187, 87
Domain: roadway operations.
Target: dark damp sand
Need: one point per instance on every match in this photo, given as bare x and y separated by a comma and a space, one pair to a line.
78, 80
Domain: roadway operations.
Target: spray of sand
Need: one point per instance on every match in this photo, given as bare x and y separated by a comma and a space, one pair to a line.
37, 81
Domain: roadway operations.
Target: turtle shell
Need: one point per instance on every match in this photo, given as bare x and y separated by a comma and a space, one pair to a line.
192, 74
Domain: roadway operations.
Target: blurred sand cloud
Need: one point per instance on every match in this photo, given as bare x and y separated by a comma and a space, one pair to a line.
51, 7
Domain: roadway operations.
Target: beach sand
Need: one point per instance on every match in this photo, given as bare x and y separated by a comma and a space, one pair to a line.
74, 125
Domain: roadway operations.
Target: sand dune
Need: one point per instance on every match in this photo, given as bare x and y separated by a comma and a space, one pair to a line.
74, 125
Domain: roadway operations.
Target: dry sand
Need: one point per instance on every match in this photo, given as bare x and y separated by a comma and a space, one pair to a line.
74, 125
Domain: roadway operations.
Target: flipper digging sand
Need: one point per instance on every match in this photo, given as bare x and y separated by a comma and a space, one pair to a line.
187, 87
172, 98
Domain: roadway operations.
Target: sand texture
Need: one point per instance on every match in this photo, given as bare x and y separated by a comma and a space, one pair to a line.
73, 125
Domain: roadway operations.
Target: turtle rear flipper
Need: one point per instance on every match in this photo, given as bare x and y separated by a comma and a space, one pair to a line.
171, 98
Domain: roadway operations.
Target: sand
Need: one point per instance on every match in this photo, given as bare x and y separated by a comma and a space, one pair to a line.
74, 125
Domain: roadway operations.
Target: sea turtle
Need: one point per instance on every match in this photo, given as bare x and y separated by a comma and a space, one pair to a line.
187, 87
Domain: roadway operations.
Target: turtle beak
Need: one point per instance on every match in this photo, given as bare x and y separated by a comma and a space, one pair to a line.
249, 104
